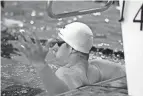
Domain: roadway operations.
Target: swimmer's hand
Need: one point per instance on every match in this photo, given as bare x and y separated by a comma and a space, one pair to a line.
34, 51
36, 54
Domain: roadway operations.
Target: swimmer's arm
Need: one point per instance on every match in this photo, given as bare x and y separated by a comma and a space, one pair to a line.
51, 82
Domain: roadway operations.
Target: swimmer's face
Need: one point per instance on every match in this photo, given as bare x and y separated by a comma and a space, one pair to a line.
62, 52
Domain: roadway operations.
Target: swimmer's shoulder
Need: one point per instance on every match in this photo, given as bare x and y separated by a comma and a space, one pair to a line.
104, 62
100, 61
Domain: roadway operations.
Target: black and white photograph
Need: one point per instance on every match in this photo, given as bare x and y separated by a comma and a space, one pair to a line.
70, 48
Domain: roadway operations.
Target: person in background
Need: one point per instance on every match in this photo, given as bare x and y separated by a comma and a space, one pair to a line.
76, 69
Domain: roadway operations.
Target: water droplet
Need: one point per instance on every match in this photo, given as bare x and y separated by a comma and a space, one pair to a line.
6, 13
31, 22
65, 11
96, 14
118, 8
33, 13
6, 75
24, 20
116, 50
93, 57
32, 70
14, 3
105, 44
48, 28
11, 13
118, 55
59, 23
69, 21
79, 16
43, 28
120, 41
22, 46
41, 14
74, 19
60, 19
21, 25
4, 94
90, 58
34, 27
101, 44
13, 31
106, 20
21, 30
24, 91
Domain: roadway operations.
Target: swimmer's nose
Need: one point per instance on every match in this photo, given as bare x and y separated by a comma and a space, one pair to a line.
55, 49
60, 43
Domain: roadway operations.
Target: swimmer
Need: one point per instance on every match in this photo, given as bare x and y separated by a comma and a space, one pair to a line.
76, 69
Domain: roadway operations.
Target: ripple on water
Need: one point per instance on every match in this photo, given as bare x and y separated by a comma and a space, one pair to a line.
34, 28
74, 18
33, 13
96, 14
41, 13
69, 21
42, 28
60, 23
60, 19
106, 20
32, 22
79, 16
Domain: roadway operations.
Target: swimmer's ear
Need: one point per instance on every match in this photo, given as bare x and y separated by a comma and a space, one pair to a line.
68, 46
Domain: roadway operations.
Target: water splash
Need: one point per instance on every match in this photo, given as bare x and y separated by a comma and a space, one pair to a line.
79, 16
69, 21
96, 14
32, 22
41, 14
33, 13
74, 19
106, 20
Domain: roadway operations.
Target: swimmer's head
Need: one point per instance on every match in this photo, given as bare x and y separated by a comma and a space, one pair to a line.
75, 38
77, 35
